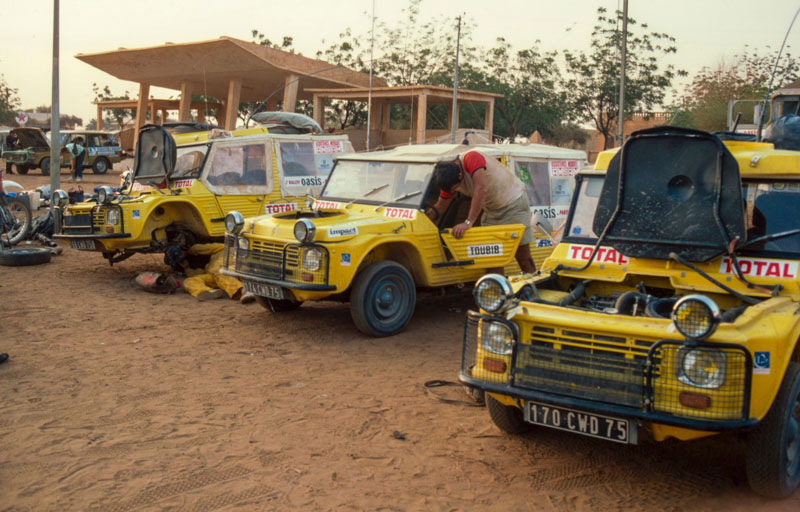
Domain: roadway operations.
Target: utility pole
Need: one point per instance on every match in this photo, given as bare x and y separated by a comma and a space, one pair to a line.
623, 59
454, 118
371, 60
55, 116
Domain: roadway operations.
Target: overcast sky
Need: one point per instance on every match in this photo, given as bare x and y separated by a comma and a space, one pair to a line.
707, 31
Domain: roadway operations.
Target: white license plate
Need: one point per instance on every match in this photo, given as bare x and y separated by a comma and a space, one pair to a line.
264, 290
83, 245
593, 425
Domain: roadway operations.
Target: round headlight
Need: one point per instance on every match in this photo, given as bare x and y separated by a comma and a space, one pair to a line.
702, 367
304, 230
234, 222
243, 243
696, 316
60, 198
492, 293
104, 194
312, 259
112, 217
497, 338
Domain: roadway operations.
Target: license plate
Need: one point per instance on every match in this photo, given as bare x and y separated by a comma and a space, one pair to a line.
593, 425
83, 245
264, 290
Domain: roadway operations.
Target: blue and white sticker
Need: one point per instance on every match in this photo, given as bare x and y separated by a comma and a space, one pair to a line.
135, 214
761, 364
345, 260
576, 230
544, 242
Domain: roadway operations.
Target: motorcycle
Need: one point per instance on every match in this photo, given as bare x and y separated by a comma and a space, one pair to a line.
15, 218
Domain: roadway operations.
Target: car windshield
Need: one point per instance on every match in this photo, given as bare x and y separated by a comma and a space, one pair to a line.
190, 161
580, 222
378, 182
772, 207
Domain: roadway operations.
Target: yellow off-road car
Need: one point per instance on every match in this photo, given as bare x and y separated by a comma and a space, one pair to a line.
368, 240
182, 187
671, 305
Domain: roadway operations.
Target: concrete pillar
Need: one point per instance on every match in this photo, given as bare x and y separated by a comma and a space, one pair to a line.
99, 117
422, 117
201, 115
319, 110
141, 110
232, 103
290, 92
185, 106
163, 115
488, 124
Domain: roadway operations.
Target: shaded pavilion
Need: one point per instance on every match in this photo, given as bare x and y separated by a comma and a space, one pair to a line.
226, 68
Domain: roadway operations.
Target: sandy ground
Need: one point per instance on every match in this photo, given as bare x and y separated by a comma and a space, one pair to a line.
115, 399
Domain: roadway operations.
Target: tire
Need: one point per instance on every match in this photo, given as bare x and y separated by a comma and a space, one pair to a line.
773, 448
507, 418
44, 165
22, 213
383, 299
22, 169
100, 165
25, 257
277, 306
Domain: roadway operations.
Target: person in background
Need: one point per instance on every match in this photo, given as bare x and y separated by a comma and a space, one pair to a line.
12, 142
76, 154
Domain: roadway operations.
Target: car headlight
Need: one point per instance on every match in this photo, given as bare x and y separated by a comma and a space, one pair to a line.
312, 259
112, 216
304, 230
234, 222
492, 293
702, 367
243, 243
60, 198
497, 337
696, 316
104, 195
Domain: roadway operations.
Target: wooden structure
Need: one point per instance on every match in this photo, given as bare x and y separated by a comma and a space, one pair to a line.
420, 97
226, 68
161, 106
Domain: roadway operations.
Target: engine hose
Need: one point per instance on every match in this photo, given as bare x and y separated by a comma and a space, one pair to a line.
625, 302
573, 296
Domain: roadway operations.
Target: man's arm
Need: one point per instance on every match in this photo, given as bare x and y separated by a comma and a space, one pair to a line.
476, 205
438, 209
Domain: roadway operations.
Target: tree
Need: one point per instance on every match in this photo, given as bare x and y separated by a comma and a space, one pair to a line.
593, 82
65, 122
9, 102
746, 77
114, 115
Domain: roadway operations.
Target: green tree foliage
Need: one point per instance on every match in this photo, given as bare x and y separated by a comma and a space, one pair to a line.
747, 76
114, 115
9, 102
593, 76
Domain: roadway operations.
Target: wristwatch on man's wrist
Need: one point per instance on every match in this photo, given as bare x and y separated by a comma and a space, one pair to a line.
467, 222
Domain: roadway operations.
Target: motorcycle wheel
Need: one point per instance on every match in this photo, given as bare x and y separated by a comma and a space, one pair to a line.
19, 211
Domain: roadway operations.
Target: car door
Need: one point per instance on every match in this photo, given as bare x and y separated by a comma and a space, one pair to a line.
483, 246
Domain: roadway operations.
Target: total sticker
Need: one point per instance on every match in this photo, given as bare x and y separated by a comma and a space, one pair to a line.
400, 213
327, 205
761, 363
484, 250
183, 184
270, 209
345, 259
340, 232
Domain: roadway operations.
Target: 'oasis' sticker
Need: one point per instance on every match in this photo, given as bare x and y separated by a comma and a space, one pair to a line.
484, 250
339, 232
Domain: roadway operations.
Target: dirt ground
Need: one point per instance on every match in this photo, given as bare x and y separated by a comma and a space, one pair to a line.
115, 399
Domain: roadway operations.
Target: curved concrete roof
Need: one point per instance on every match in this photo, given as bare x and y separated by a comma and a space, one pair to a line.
210, 65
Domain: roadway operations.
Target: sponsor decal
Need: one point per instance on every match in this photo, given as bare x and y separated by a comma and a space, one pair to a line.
604, 254
135, 214
544, 242
563, 168
761, 363
139, 186
342, 231
345, 260
484, 250
306, 181
400, 213
183, 184
327, 147
761, 268
547, 213
327, 205
270, 209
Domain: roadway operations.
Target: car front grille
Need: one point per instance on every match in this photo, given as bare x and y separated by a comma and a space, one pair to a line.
264, 259
80, 224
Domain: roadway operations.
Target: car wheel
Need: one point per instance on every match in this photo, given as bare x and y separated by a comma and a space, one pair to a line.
383, 299
100, 166
506, 417
773, 448
22, 214
21, 169
25, 257
44, 165
277, 306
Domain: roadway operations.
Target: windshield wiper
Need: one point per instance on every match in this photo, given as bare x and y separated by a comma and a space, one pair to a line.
768, 238
376, 189
399, 198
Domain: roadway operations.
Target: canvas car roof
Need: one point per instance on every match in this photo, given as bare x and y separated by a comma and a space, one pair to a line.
428, 153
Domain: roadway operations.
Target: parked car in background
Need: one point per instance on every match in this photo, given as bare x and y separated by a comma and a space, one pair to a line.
33, 150
102, 148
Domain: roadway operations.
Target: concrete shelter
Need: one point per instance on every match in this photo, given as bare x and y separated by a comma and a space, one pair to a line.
226, 68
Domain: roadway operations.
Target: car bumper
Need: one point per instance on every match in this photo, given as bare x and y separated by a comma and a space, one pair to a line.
290, 285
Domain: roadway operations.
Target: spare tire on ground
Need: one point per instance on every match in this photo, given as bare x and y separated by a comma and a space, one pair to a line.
25, 257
